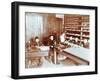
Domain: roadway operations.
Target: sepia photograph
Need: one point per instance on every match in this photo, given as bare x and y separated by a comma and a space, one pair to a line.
56, 40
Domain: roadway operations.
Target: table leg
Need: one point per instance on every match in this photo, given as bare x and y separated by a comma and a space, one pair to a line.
55, 56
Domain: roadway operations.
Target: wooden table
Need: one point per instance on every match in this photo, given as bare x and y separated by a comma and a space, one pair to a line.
36, 54
78, 54
42, 52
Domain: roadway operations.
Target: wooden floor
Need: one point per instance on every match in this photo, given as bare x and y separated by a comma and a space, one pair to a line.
47, 63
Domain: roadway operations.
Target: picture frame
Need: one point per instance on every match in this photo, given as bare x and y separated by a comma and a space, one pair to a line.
27, 15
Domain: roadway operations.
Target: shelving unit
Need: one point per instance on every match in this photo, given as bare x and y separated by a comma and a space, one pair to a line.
77, 27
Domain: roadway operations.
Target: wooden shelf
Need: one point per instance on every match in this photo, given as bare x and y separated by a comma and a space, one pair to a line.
77, 26
73, 34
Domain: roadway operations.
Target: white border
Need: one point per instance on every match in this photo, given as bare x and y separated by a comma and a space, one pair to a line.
38, 71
